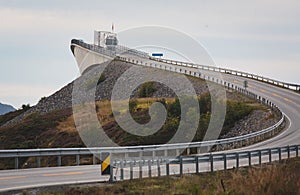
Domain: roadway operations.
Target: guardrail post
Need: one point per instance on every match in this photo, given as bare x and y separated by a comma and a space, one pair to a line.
197, 164
38, 161
59, 161
77, 159
94, 159
16, 162
188, 151
225, 161
140, 169
166, 152
288, 151
153, 153
111, 170
237, 156
180, 165
158, 168
259, 157
249, 158
211, 163
297, 147
131, 170
279, 154
168, 167
270, 155
149, 169
122, 170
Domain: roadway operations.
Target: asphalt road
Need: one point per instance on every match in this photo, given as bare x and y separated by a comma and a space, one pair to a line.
288, 101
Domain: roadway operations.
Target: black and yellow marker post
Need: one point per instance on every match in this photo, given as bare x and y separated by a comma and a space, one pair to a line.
105, 164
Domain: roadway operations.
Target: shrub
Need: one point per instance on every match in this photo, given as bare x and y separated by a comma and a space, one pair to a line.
147, 89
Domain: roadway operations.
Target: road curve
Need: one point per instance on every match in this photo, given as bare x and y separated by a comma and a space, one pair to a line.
287, 100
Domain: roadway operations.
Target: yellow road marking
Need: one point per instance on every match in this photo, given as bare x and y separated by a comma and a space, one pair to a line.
288, 100
11, 177
276, 95
262, 90
62, 174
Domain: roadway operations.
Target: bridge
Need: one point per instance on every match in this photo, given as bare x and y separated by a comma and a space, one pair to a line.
240, 151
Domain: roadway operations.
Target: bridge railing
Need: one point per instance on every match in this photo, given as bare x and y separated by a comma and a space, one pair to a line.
156, 167
123, 49
230, 71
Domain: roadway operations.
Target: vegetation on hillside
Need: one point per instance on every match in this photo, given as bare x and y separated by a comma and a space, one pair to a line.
146, 90
57, 128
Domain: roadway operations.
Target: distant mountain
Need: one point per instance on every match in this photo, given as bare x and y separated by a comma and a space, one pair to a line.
4, 108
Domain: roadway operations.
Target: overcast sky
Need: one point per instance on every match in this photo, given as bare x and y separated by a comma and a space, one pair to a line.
258, 36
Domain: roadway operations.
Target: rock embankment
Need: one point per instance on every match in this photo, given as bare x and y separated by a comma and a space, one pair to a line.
63, 98
256, 121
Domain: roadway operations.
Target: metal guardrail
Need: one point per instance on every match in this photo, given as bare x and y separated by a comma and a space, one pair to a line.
202, 163
230, 71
